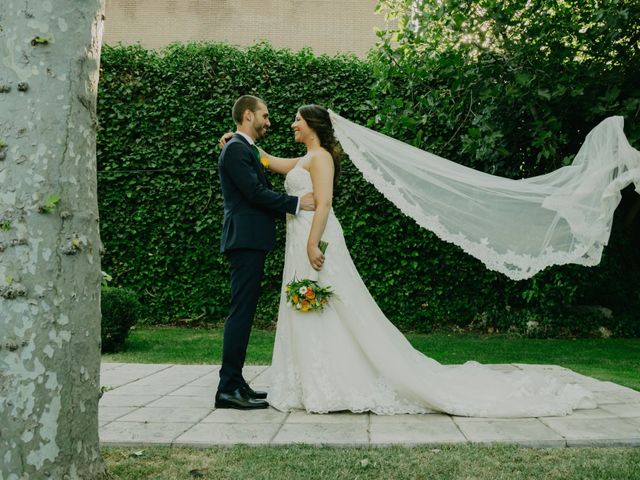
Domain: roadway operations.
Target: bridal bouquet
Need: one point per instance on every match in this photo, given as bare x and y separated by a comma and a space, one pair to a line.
307, 295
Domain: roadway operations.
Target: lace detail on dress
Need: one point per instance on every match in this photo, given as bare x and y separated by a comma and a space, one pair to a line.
298, 181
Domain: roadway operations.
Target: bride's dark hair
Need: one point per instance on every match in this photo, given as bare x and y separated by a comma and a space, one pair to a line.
317, 118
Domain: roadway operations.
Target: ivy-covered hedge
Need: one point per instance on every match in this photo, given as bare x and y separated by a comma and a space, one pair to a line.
161, 210
161, 115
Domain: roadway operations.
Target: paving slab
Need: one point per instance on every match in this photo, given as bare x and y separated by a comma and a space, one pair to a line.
414, 430
105, 367
526, 432
229, 415
229, 434
182, 401
176, 375
129, 372
596, 432
166, 415
194, 391
251, 372
136, 389
112, 399
600, 412
300, 416
623, 410
109, 414
209, 380
141, 433
165, 404
334, 434
621, 395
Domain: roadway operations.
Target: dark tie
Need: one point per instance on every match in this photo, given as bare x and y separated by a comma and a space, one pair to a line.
255, 151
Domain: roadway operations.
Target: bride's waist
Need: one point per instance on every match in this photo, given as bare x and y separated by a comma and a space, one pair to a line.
307, 214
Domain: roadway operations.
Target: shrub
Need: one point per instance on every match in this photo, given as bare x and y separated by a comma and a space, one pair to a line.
120, 310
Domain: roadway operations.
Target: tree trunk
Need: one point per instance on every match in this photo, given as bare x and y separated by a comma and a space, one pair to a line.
49, 240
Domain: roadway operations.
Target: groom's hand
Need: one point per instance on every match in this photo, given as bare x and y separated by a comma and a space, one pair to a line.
307, 202
224, 138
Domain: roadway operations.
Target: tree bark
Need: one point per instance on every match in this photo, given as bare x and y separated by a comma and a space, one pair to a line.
49, 239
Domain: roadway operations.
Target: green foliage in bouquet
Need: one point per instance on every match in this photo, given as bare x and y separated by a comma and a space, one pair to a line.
307, 295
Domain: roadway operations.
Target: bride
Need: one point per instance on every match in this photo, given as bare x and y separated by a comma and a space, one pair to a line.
349, 356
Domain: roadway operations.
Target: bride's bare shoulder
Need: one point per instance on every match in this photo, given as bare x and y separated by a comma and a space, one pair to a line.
320, 158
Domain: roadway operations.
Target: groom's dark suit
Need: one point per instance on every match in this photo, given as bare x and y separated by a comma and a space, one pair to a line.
248, 233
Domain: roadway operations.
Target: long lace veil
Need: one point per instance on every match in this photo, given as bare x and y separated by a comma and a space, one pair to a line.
517, 227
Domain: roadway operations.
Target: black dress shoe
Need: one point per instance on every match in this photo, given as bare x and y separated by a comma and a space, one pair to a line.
251, 393
240, 400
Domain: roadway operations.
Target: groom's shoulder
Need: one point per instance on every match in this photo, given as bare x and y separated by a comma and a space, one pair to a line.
234, 146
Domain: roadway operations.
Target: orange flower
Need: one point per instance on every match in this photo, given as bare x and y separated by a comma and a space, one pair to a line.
306, 295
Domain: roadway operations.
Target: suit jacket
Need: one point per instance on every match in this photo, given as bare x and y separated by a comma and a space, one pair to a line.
250, 206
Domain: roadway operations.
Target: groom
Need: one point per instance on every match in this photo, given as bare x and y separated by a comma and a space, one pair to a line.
248, 233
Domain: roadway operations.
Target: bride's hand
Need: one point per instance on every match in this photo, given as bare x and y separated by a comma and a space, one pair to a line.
316, 258
224, 138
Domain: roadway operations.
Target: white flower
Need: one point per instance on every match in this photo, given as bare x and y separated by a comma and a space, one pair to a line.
302, 290
604, 332
532, 326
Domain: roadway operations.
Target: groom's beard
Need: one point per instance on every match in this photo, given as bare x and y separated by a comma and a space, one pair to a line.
261, 130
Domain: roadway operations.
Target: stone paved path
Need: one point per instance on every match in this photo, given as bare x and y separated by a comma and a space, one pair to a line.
150, 404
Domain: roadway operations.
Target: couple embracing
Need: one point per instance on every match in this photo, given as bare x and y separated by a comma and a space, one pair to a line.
251, 208
348, 356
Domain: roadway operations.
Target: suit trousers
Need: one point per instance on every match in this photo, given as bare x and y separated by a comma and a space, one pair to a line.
247, 270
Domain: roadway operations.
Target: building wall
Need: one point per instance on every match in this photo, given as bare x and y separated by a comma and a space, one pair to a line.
327, 26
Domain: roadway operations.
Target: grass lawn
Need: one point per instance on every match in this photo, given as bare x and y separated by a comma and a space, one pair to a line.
468, 462
613, 359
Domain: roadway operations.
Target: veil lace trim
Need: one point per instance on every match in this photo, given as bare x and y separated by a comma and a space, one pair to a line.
516, 227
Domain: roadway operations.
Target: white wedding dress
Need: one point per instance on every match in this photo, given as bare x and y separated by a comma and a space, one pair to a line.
349, 356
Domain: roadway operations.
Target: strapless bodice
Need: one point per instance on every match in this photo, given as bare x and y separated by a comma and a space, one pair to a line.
298, 181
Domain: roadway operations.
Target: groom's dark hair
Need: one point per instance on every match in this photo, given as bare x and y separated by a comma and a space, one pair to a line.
244, 103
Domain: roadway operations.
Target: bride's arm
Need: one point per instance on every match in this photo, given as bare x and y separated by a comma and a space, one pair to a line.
322, 171
277, 164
